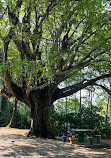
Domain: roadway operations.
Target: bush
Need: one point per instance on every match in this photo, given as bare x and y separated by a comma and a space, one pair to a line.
85, 119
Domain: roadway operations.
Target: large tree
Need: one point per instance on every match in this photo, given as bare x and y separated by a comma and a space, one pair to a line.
44, 43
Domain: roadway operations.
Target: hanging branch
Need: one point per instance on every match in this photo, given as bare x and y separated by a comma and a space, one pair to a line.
13, 113
103, 87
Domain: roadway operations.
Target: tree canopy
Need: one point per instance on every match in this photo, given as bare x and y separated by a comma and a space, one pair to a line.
46, 42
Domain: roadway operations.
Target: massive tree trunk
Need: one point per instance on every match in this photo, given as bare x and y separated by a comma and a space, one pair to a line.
40, 115
40, 123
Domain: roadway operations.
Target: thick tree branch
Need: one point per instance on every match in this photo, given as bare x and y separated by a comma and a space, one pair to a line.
87, 56
82, 40
3, 13
88, 62
92, 33
19, 3
6, 41
103, 87
77, 27
23, 48
71, 61
46, 14
14, 19
38, 30
11, 89
65, 40
67, 91
26, 19
5, 93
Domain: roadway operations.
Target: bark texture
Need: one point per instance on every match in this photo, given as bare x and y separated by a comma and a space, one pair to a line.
40, 114
13, 114
40, 125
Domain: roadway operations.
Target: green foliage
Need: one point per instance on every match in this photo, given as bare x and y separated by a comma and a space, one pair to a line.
48, 33
21, 118
81, 118
5, 113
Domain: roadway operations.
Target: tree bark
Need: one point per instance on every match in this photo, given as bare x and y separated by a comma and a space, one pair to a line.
40, 116
13, 114
41, 123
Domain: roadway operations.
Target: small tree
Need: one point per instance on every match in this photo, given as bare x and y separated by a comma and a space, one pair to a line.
45, 42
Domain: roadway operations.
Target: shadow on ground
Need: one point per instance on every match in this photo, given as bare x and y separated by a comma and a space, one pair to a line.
18, 146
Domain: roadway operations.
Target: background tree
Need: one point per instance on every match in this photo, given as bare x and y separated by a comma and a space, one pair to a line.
86, 118
20, 119
46, 42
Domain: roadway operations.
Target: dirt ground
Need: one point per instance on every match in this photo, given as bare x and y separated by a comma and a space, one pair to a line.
14, 144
